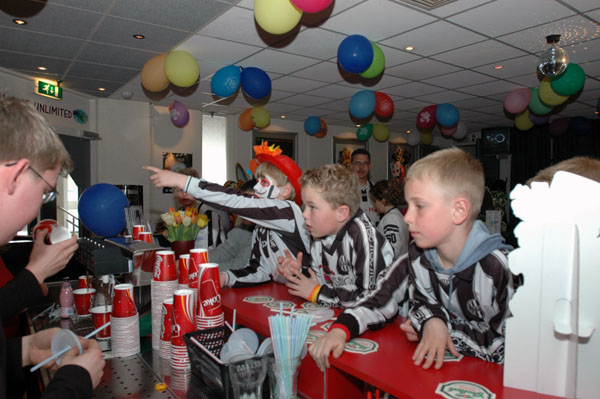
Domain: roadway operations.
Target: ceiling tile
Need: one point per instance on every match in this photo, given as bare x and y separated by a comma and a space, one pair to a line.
101, 72
114, 55
458, 79
395, 57
413, 89
584, 5
323, 71
38, 43
490, 88
481, 53
294, 84
513, 67
29, 63
421, 69
237, 25
586, 51
305, 100
316, 43
448, 96
278, 61
334, 91
217, 50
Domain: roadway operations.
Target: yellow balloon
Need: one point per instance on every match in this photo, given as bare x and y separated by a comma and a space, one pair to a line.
426, 137
522, 121
153, 74
276, 16
182, 68
381, 132
260, 117
548, 96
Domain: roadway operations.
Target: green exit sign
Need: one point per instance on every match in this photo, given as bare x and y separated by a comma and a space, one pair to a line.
48, 90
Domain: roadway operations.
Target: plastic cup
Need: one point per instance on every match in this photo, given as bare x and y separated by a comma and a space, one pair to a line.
82, 282
137, 229
59, 234
145, 236
283, 377
84, 299
165, 268
45, 224
242, 336
123, 303
247, 377
101, 316
64, 339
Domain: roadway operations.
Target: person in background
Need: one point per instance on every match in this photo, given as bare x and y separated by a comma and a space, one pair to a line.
387, 196
583, 166
360, 163
234, 253
31, 158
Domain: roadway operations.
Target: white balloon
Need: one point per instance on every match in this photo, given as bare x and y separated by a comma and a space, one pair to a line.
413, 138
461, 131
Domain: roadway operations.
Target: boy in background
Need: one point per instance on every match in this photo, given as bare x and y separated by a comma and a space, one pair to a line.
278, 219
459, 283
387, 196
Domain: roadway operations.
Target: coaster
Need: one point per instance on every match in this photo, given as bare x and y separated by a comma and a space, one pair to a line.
258, 299
463, 389
361, 346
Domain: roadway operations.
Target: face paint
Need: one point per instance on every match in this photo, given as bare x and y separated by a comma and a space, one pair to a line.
266, 188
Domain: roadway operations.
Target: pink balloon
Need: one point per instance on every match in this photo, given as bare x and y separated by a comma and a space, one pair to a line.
426, 118
311, 5
558, 126
449, 131
517, 100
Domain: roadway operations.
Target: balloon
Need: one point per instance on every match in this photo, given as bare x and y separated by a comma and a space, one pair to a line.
535, 104
447, 114
312, 125
181, 68
558, 126
364, 132
381, 132
226, 81
323, 131
570, 82
377, 64
522, 121
101, 209
448, 131
548, 96
276, 16
311, 6
260, 117
153, 74
426, 117
413, 138
538, 119
517, 100
245, 120
461, 131
255, 82
426, 137
355, 54
362, 104
580, 125
384, 106
179, 113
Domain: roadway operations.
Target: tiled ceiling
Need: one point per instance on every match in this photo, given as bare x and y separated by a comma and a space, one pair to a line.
89, 44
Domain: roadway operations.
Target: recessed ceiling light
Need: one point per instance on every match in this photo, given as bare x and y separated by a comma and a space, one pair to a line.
101, 89
19, 21
497, 67
409, 48
138, 36
408, 131
283, 116
357, 125
42, 68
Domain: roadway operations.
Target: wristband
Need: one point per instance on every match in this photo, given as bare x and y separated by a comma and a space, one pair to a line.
314, 294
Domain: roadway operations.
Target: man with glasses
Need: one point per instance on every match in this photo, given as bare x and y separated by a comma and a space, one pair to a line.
360, 163
31, 158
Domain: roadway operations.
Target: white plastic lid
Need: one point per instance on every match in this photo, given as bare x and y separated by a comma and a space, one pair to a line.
64, 339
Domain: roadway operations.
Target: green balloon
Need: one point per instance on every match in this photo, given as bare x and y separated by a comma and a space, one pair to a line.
364, 132
536, 105
377, 64
570, 82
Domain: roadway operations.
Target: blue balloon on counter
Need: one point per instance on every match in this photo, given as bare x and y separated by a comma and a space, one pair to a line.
255, 82
355, 54
101, 209
226, 81
362, 104
447, 115
312, 125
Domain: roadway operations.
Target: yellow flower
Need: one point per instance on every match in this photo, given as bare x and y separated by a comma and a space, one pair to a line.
202, 220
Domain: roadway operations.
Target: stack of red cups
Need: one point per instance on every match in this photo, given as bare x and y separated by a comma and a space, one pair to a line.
164, 283
184, 271
124, 319
166, 326
183, 323
210, 312
198, 256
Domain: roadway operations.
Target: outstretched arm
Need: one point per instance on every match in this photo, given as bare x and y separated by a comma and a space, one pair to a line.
166, 178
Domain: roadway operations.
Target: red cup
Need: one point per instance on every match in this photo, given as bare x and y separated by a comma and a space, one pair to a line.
83, 282
101, 316
209, 293
137, 229
166, 320
198, 257
183, 316
184, 269
145, 236
165, 268
45, 224
123, 303
84, 298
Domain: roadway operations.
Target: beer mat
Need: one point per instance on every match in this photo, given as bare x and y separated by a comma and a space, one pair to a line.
277, 304
326, 326
312, 336
361, 346
311, 305
463, 389
449, 357
258, 299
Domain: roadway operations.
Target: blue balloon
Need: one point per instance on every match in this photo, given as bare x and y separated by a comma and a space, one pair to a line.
255, 82
312, 125
355, 54
226, 81
447, 115
580, 125
101, 209
362, 104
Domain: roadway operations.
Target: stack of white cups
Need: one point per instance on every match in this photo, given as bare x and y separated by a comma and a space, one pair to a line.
125, 332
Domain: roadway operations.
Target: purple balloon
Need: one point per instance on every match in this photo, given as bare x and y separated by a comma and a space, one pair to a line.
558, 126
538, 119
180, 115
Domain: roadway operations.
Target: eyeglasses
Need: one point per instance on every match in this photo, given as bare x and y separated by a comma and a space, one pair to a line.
46, 197
358, 164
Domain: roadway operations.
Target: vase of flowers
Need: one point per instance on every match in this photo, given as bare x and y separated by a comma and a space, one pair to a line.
183, 227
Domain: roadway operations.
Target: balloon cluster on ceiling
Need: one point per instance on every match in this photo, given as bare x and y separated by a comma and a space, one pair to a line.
446, 116
281, 16
533, 106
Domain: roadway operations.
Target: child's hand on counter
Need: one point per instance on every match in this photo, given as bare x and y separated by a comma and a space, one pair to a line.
331, 343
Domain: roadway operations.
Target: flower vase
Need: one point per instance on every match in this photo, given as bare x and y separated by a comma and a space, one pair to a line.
182, 247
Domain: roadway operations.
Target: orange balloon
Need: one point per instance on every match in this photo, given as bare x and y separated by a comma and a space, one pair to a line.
323, 131
245, 120
153, 74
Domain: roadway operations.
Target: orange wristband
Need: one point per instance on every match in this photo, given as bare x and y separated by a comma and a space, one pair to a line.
314, 294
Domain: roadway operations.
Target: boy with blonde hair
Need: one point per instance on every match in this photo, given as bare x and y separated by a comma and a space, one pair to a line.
459, 283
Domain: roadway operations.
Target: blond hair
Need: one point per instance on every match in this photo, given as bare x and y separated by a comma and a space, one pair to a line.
583, 166
337, 185
265, 169
456, 172
25, 133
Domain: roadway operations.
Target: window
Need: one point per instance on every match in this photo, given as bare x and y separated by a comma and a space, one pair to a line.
214, 148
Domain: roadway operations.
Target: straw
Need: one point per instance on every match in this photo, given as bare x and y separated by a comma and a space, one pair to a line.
209, 353
65, 350
233, 321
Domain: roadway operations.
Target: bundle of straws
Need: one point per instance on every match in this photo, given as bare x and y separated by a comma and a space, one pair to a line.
289, 335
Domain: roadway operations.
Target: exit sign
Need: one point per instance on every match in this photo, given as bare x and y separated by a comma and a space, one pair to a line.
47, 89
